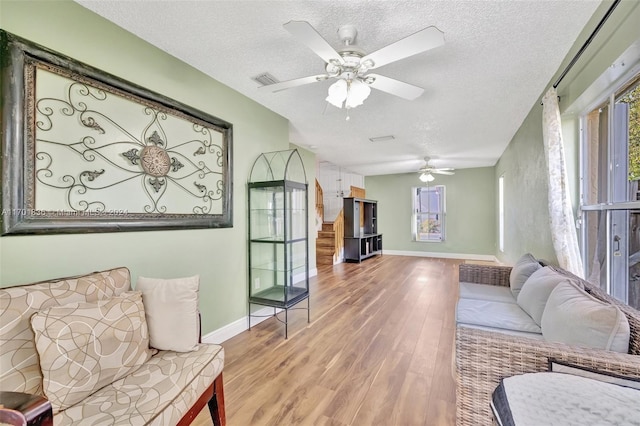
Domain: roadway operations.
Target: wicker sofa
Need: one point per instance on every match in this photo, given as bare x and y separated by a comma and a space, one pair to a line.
484, 357
149, 387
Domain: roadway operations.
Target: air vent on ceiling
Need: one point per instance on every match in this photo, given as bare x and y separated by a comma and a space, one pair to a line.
265, 79
382, 138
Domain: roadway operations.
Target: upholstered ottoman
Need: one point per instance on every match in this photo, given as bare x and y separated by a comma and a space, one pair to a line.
550, 398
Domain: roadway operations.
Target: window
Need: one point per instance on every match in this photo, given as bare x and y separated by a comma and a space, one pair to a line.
610, 198
429, 213
501, 213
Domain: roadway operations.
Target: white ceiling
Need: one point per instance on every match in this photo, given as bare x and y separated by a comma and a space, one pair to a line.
497, 59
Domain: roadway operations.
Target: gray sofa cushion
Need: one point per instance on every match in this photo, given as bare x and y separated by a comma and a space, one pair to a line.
536, 290
486, 292
495, 314
536, 336
521, 271
575, 317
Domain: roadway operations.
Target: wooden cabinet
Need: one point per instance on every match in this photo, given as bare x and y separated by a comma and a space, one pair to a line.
361, 237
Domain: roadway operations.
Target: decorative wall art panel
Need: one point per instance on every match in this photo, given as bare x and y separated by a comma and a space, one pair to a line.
84, 151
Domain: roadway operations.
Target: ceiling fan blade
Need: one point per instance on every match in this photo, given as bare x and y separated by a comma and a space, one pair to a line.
283, 85
395, 87
442, 172
309, 36
423, 40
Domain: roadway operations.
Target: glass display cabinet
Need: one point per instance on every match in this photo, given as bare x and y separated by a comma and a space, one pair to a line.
278, 233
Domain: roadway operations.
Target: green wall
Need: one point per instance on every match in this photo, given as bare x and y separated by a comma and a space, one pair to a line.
523, 162
526, 216
470, 218
218, 255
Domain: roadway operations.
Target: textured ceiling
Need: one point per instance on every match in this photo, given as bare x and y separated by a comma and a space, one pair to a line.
497, 59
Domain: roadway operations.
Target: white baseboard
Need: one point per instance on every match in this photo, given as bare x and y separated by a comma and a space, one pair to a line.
238, 326
486, 257
300, 277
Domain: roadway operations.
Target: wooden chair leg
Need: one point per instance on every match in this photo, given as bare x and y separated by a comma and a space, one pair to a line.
216, 403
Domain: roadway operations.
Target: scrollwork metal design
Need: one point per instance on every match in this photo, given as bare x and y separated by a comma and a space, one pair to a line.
91, 175
132, 155
156, 183
159, 154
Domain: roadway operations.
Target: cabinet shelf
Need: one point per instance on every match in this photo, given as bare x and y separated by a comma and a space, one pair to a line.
298, 268
276, 240
280, 296
281, 209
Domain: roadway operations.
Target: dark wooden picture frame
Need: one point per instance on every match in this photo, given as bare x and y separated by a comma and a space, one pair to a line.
104, 154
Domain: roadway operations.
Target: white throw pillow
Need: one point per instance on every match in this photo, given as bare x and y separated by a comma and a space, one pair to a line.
521, 271
536, 290
171, 306
575, 317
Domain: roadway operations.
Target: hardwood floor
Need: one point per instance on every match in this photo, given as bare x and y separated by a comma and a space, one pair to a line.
378, 351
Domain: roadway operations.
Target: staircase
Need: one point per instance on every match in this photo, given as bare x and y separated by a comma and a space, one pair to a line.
330, 241
325, 244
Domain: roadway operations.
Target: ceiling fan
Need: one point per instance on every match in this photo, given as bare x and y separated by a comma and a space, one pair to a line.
350, 65
427, 171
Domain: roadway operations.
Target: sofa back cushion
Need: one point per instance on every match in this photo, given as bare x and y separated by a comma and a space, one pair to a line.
87, 345
632, 314
574, 317
521, 271
536, 290
18, 357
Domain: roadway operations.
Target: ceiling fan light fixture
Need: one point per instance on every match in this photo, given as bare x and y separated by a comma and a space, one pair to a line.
427, 177
348, 94
357, 93
337, 93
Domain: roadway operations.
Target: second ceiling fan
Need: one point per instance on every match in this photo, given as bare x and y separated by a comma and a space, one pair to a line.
427, 171
350, 65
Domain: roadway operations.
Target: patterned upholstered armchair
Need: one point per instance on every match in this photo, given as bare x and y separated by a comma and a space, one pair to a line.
83, 344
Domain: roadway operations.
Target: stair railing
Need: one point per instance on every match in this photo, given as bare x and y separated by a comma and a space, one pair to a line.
319, 206
338, 239
357, 192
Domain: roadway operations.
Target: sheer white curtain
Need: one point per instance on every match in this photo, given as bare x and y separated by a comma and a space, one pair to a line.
563, 228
